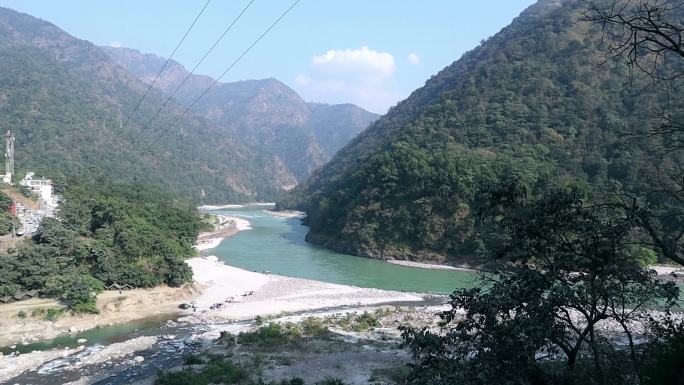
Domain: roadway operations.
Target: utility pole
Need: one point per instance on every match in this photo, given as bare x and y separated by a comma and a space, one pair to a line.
9, 156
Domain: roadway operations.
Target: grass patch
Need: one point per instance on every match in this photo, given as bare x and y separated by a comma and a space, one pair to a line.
49, 314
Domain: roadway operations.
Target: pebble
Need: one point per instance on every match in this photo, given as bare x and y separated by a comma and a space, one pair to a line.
73, 329
81, 341
138, 358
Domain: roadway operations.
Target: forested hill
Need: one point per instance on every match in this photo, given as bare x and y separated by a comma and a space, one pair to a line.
538, 100
67, 103
265, 114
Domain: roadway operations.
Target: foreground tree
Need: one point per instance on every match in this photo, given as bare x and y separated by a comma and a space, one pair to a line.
648, 35
568, 288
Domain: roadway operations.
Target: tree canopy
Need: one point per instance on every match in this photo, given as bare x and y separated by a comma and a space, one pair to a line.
105, 233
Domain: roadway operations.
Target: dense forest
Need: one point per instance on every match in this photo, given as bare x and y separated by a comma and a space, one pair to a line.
8, 221
105, 233
71, 110
539, 101
266, 115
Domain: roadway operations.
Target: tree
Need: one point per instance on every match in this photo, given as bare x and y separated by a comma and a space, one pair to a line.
648, 35
105, 233
565, 270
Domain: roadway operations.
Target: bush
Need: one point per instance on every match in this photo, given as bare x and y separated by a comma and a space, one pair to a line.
193, 360
313, 326
216, 371
331, 381
665, 356
365, 321
271, 334
53, 313
21, 314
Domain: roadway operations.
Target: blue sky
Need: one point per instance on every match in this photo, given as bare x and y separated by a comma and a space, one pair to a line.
369, 52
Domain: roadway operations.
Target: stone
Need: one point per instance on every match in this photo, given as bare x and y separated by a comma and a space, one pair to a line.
138, 358
81, 341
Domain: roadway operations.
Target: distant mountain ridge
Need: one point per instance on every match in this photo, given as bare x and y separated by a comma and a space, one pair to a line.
66, 100
265, 114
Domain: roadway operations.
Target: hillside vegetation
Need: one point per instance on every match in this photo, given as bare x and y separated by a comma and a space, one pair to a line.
537, 102
266, 115
105, 233
67, 103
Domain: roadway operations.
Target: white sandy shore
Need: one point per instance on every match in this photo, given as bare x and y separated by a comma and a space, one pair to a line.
268, 295
431, 266
242, 293
234, 206
286, 213
273, 294
207, 244
226, 227
667, 269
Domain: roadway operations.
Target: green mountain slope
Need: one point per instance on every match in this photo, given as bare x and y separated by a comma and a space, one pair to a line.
536, 100
265, 114
66, 100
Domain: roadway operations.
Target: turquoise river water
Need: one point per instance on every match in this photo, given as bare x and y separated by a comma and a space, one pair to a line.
277, 244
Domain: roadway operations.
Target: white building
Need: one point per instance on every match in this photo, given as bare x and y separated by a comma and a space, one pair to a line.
42, 187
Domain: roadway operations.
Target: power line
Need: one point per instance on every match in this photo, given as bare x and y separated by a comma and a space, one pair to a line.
164, 66
255, 42
166, 102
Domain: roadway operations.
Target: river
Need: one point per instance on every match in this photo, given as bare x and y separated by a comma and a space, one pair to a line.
277, 244
273, 243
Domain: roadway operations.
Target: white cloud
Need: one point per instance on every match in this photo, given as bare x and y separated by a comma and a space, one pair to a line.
115, 44
413, 58
361, 76
360, 61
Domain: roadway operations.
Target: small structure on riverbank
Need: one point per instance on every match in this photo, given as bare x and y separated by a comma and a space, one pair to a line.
20, 296
117, 286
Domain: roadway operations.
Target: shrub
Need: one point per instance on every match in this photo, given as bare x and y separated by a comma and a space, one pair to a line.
216, 371
193, 360
53, 313
364, 322
271, 334
313, 326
